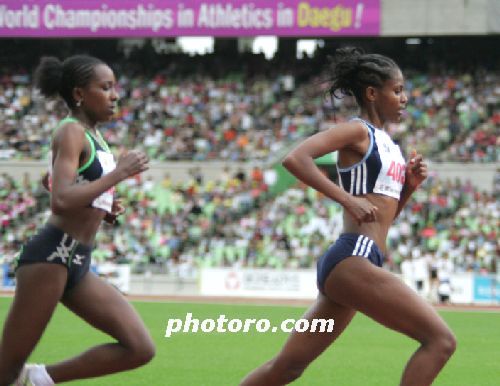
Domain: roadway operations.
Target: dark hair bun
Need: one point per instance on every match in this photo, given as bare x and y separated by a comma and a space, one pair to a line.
348, 54
344, 66
48, 76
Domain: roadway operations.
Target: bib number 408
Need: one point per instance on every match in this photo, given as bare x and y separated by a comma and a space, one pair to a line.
397, 172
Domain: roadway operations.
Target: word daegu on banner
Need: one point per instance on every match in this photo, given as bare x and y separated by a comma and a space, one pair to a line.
154, 18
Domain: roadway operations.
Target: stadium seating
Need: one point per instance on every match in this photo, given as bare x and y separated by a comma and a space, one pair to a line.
235, 222
250, 119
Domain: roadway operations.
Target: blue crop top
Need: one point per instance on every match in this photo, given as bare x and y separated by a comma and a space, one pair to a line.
382, 169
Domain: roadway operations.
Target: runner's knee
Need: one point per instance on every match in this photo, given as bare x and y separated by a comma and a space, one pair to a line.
442, 344
446, 344
146, 352
141, 351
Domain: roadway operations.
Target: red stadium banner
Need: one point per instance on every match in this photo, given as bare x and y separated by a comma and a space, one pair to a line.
155, 18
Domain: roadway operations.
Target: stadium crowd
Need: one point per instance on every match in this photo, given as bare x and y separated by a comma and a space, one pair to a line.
190, 119
235, 221
240, 118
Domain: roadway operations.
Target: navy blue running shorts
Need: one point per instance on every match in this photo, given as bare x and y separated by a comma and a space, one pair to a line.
348, 244
52, 245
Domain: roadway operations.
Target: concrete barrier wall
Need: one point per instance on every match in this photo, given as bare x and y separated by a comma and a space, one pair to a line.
178, 171
438, 17
481, 175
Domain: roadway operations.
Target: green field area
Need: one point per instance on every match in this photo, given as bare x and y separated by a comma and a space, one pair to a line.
366, 354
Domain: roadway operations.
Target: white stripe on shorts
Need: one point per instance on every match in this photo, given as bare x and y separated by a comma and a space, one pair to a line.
363, 246
358, 243
368, 248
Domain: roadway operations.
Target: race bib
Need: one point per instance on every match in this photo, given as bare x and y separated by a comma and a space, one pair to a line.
105, 200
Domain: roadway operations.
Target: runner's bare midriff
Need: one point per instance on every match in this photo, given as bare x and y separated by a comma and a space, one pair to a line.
377, 230
82, 226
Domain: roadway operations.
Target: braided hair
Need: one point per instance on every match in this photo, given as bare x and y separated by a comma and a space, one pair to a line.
352, 71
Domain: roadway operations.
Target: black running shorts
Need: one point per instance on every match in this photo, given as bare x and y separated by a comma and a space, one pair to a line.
52, 245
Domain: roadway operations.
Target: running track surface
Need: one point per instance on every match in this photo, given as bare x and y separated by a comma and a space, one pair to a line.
271, 301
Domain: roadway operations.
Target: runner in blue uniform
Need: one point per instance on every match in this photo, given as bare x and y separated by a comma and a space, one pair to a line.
375, 183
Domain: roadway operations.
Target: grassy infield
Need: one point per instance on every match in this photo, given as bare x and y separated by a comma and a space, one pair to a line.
366, 354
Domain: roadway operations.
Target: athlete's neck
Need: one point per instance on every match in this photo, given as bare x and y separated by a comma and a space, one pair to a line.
372, 117
85, 121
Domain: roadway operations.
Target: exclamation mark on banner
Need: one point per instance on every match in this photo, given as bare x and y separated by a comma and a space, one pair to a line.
359, 15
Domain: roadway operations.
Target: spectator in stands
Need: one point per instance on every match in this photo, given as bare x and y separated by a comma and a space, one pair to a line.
203, 118
296, 214
54, 265
349, 275
444, 272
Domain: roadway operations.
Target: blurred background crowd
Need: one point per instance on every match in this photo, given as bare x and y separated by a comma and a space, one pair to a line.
213, 110
240, 118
